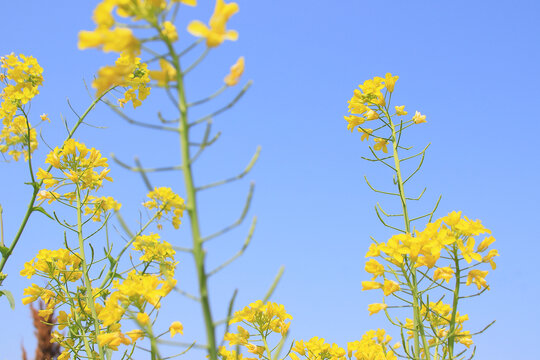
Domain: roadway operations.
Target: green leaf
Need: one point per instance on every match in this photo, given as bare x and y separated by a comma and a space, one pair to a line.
41, 210
9, 297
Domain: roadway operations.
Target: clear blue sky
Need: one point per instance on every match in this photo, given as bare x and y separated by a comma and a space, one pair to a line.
471, 67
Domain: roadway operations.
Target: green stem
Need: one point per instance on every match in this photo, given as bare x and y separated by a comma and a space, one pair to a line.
417, 316
198, 251
87, 282
451, 338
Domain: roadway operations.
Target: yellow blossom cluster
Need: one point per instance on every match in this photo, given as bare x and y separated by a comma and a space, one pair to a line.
77, 165
129, 73
317, 349
217, 31
372, 346
453, 234
155, 250
368, 103
97, 206
263, 317
165, 200
20, 80
61, 264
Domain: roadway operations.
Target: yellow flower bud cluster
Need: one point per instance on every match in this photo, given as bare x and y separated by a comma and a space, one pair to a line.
165, 200
20, 80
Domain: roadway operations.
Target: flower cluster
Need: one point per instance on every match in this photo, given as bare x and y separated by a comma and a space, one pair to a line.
369, 103
21, 79
77, 165
129, 73
317, 349
165, 200
264, 319
160, 252
452, 240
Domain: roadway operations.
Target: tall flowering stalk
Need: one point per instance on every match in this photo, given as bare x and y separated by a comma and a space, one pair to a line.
21, 78
151, 28
418, 265
94, 301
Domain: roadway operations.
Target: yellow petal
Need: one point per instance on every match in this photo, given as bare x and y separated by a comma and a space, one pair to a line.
198, 28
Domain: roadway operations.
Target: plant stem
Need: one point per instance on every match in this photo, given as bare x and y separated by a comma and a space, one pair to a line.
198, 251
87, 282
417, 316
451, 338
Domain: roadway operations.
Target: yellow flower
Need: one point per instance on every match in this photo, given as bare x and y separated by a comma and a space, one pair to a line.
375, 308
169, 31
135, 334
444, 273
353, 121
375, 268
400, 110
176, 328
380, 144
478, 278
390, 81
390, 287
371, 115
371, 285
45, 117
217, 32
366, 133
419, 118
236, 72
485, 243
165, 75
489, 258
143, 318
113, 340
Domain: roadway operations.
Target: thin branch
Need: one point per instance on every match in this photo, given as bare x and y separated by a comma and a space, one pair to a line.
197, 62
379, 191
240, 252
234, 178
202, 101
226, 107
240, 219
274, 284
135, 122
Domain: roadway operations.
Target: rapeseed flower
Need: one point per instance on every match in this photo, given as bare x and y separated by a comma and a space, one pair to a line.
216, 33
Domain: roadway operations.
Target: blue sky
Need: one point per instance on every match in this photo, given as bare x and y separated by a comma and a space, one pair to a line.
471, 67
